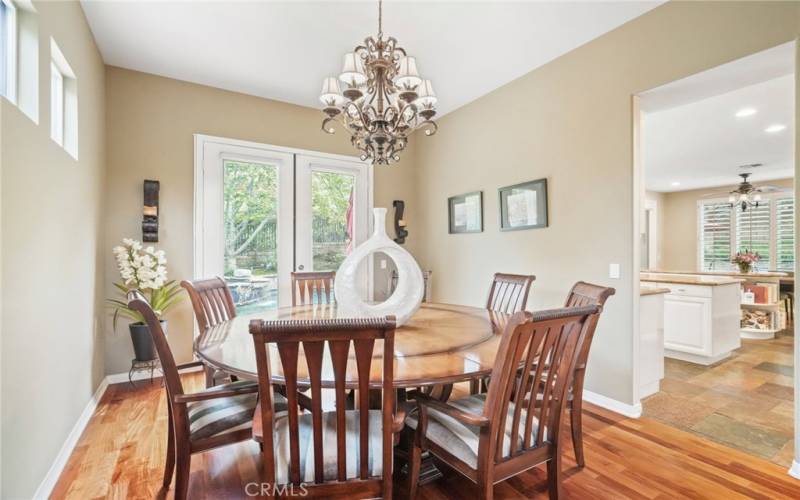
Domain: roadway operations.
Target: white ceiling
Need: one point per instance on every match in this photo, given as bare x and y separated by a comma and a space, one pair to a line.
702, 144
283, 50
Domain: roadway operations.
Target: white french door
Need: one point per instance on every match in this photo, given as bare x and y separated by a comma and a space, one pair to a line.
263, 211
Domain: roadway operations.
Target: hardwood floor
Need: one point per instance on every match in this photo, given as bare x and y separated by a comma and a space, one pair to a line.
121, 455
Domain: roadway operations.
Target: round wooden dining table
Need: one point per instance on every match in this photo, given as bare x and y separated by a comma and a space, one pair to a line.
441, 344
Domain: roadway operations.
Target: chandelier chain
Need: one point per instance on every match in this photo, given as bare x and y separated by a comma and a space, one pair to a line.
380, 18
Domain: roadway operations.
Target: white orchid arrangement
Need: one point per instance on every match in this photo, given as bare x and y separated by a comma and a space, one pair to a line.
143, 269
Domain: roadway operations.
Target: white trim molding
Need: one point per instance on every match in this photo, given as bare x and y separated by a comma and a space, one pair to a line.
51, 478
49, 482
631, 411
794, 470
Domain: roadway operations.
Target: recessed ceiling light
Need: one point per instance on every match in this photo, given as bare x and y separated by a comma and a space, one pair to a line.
675, 183
777, 127
746, 112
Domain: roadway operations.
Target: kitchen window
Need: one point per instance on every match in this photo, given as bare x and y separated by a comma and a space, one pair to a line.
767, 229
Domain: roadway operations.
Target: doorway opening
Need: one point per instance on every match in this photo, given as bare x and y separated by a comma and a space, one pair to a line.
714, 351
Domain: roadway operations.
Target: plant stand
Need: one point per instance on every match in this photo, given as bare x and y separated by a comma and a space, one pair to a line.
143, 366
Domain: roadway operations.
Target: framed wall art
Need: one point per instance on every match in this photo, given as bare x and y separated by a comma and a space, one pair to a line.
523, 206
465, 213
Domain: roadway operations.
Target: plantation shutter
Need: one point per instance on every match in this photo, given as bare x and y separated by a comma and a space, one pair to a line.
753, 233
784, 222
715, 219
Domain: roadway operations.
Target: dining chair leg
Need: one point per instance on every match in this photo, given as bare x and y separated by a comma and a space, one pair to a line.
554, 475
184, 458
576, 425
169, 467
414, 461
209, 371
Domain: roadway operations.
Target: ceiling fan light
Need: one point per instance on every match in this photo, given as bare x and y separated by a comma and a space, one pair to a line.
407, 74
757, 197
732, 198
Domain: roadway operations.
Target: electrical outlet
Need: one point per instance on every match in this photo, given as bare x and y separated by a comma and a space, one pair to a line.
613, 271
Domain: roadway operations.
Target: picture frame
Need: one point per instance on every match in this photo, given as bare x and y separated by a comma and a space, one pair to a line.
465, 213
523, 206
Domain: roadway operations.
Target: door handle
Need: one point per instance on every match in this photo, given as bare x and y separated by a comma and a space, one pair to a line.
301, 267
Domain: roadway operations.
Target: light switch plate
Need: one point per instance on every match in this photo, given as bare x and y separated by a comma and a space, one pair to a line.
613, 271
383, 263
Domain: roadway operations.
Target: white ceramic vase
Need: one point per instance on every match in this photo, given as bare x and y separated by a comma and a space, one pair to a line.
405, 300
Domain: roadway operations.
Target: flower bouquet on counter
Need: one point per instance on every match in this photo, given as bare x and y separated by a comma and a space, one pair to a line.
143, 269
745, 260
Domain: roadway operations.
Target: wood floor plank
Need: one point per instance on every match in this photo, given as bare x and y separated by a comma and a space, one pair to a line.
121, 455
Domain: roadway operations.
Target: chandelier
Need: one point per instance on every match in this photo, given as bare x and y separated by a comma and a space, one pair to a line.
384, 99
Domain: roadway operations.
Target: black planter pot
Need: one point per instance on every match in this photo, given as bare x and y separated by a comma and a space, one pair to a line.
143, 347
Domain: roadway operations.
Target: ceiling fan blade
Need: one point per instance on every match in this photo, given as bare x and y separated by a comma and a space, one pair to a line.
772, 189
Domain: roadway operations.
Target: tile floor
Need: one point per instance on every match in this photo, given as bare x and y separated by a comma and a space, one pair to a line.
745, 401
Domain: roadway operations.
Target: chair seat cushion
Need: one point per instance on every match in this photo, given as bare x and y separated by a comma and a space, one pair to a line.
460, 439
214, 417
329, 446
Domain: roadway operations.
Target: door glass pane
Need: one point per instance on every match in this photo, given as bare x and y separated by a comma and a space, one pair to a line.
250, 204
332, 218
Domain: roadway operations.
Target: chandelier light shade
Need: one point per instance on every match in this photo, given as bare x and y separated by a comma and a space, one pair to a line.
379, 99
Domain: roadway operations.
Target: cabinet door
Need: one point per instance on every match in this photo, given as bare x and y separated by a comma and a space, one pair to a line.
687, 324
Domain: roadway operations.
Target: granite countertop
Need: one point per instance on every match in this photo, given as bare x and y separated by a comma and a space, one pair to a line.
766, 274
652, 291
688, 279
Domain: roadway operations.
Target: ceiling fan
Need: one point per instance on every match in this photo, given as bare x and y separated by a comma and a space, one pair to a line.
746, 195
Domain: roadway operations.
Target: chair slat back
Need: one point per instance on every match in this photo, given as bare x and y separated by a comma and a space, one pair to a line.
545, 345
172, 380
306, 286
584, 294
509, 292
337, 337
211, 300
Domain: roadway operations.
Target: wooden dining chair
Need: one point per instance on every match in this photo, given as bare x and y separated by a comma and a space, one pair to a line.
341, 452
307, 286
583, 294
509, 292
493, 436
200, 421
212, 303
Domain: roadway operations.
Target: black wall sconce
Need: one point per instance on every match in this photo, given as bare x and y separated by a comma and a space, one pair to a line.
150, 212
399, 224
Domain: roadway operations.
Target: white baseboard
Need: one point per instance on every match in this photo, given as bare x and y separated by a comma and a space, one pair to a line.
794, 470
119, 378
632, 411
46, 486
49, 482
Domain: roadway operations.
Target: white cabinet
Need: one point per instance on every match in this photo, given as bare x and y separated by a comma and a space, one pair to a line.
701, 322
689, 329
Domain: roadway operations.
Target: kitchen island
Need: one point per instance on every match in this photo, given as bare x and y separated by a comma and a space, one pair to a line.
701, 315
762, 315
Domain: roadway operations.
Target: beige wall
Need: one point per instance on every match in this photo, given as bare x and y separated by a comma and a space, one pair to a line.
679, 237
571, 122
151, 122
52, 355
